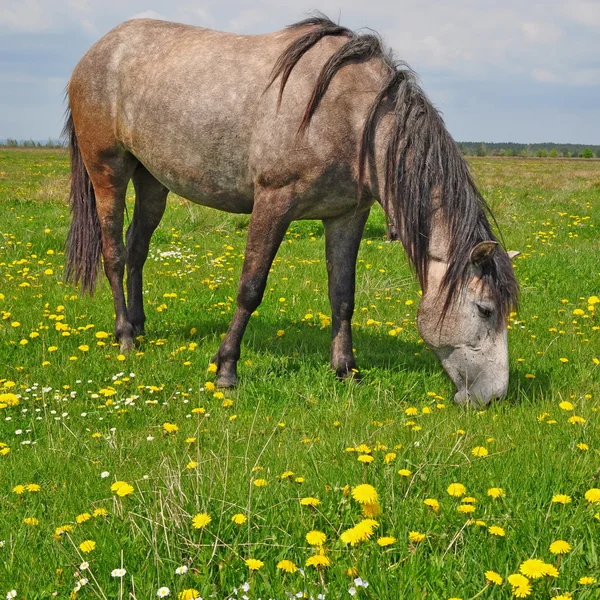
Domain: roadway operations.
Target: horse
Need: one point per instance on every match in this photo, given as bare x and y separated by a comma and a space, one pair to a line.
311, 122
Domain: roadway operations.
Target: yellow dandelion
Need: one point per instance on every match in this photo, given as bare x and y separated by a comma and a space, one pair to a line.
83, 517
479, 451
316, 538
365, 458
239, 519
87, 546
593, 495
318, 561
170, 427
201, 520
254, 564
494, 577
432, 503
534, 568
386, 541
498, 531
309, 501
260, 482
457, 490
496, 493
365, 494
122, 488
561, 499
287, 565
416, 537
560, 547
404, 473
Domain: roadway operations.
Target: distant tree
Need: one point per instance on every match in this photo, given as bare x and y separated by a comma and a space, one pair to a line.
510, 152
587, 153
553, 153
523, 153
541, 153
481, 150
502, 152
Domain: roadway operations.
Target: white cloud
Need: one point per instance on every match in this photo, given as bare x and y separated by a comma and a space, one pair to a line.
544, 75
149, 14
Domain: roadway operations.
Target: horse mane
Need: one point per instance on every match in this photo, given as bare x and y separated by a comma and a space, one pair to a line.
422, 162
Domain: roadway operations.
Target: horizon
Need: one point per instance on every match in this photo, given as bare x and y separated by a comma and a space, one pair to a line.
515, 71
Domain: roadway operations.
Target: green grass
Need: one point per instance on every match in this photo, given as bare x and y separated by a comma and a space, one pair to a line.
82, 413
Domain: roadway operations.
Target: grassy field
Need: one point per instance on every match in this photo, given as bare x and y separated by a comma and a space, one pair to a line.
214, 490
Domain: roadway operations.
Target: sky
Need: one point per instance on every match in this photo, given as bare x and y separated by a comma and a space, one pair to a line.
499, 71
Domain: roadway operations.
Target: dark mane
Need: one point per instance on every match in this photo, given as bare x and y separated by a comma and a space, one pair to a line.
422, 162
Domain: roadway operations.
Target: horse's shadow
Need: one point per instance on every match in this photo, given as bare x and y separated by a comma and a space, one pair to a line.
302, 345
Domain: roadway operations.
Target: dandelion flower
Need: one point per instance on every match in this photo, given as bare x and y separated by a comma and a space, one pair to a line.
533, 568
32, 487
287, 565
309, 501
31, 521
316, 538
586, 580
189, 594
122, 488
416, 537
371, 510
239, 519
495, 530
254, 564
201, 520
82, 518
386, 541
170, 427
87, 546
560, 547
496, 493
318, 560
593, 495
479, 451
260, 483
432, 503
561, 499
404, 473
366, 458
493, 577
365, 494
457, 490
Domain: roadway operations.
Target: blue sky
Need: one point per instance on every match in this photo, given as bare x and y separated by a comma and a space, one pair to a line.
498, 70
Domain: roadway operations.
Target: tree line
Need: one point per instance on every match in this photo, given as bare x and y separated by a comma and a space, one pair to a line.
542, 150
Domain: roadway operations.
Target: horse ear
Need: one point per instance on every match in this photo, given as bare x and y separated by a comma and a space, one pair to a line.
512, 254
483, 252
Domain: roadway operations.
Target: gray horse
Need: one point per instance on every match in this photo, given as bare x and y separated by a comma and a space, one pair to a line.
311, 122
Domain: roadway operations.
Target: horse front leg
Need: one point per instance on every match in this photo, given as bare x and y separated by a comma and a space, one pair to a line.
270, 219
342, 239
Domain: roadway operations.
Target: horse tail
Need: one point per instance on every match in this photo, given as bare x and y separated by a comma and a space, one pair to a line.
84, 242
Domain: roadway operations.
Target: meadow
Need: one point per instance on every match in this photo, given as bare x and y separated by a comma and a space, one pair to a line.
133, 477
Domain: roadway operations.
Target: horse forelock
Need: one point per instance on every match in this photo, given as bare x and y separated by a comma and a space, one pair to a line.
424, 168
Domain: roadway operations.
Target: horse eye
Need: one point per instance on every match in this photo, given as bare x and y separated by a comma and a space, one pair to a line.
485, 312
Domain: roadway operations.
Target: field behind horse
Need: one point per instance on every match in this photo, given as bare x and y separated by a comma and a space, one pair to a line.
217, 488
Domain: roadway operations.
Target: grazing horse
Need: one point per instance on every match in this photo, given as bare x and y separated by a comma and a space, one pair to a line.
311, 122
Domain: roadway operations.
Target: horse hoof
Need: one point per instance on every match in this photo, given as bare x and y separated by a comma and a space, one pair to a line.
127, 346
344, 374
226, 381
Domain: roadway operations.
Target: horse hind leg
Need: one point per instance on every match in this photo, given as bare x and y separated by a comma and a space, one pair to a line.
150, 203
110, 172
